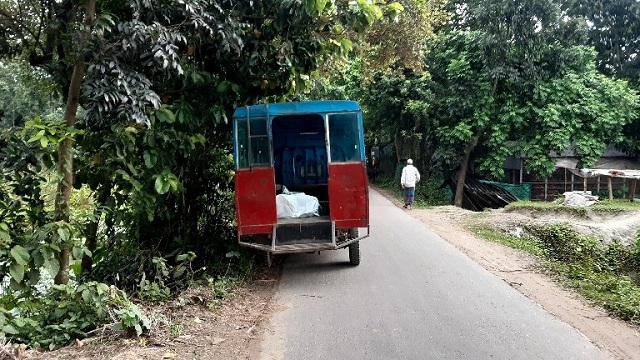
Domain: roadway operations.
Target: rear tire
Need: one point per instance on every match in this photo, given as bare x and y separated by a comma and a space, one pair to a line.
354, 253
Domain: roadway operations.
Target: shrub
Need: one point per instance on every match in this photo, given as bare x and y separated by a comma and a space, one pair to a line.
565, 244
67, 312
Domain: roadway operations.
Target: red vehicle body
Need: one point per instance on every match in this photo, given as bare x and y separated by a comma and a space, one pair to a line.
313, 147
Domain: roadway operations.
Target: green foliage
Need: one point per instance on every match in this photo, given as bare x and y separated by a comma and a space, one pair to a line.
605, 274
26, 93
140, 273
604, 207
528, 244
567, 245
428, 193
432, 193
67, 312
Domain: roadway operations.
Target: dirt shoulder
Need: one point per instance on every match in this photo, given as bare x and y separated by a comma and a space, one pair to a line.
522, 271
194, 326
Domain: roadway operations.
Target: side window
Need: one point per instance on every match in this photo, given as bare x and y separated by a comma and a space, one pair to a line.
259, 142
344, 137
242, 144
252, 142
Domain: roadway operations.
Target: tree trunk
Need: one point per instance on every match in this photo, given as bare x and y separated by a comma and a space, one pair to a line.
398, 143
91, 231
65, 151
426, 154
462, 174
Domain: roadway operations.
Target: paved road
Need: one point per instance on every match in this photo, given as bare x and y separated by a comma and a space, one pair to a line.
414, 296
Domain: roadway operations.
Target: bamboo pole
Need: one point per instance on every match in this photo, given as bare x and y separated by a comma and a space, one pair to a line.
585, 184
632, 193
610, 188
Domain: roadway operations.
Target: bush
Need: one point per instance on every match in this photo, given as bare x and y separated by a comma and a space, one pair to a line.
429, 192
565, 244
67, 312
142, 273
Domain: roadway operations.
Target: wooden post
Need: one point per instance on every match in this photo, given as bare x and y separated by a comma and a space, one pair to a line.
573, 177
585, 184
632, 193
521, 168
610, 188
546, 186
598, 186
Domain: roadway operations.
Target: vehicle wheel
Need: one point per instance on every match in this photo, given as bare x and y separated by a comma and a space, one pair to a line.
354, 253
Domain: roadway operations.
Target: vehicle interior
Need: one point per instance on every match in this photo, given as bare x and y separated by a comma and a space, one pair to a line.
300, 156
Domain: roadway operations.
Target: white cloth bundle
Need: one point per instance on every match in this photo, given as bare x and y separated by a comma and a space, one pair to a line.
296, 205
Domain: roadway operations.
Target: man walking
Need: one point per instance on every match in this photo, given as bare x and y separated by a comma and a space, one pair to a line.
410, 177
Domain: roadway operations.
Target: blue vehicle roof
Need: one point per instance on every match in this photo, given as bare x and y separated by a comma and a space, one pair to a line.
299, 107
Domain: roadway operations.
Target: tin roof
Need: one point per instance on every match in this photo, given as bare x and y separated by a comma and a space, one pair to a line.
299, 107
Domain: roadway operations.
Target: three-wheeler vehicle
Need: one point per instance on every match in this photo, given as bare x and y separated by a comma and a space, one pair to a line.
300, 177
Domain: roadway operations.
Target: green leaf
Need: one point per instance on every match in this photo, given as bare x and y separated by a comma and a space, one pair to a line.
161, 185
320, 5
149, 159
52, 266
166, 115
180, 269
346, 44
63, 234
37, 136
181, 257
17, 272
5, 237
20, 255
8, 329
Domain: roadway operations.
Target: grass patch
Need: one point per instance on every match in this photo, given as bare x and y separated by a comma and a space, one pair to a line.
620, 295
524, 243
605, 274
607, 207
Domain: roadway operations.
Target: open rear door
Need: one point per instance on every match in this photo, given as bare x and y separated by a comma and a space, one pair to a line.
255, 189
348, 183
349, 195
255, 201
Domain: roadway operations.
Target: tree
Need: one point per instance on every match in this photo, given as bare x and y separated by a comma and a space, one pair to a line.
138, 56
491, 70
25, 93
397, 109
614, 30
512, 101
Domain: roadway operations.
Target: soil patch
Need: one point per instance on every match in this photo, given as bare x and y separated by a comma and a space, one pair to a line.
194, 326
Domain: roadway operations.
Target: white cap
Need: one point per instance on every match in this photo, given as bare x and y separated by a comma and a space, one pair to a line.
409, 161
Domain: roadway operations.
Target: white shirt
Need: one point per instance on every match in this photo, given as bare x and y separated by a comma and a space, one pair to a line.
410, 176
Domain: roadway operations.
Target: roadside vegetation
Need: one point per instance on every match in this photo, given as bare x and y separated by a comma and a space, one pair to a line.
606, 273
116, 173
116, 170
